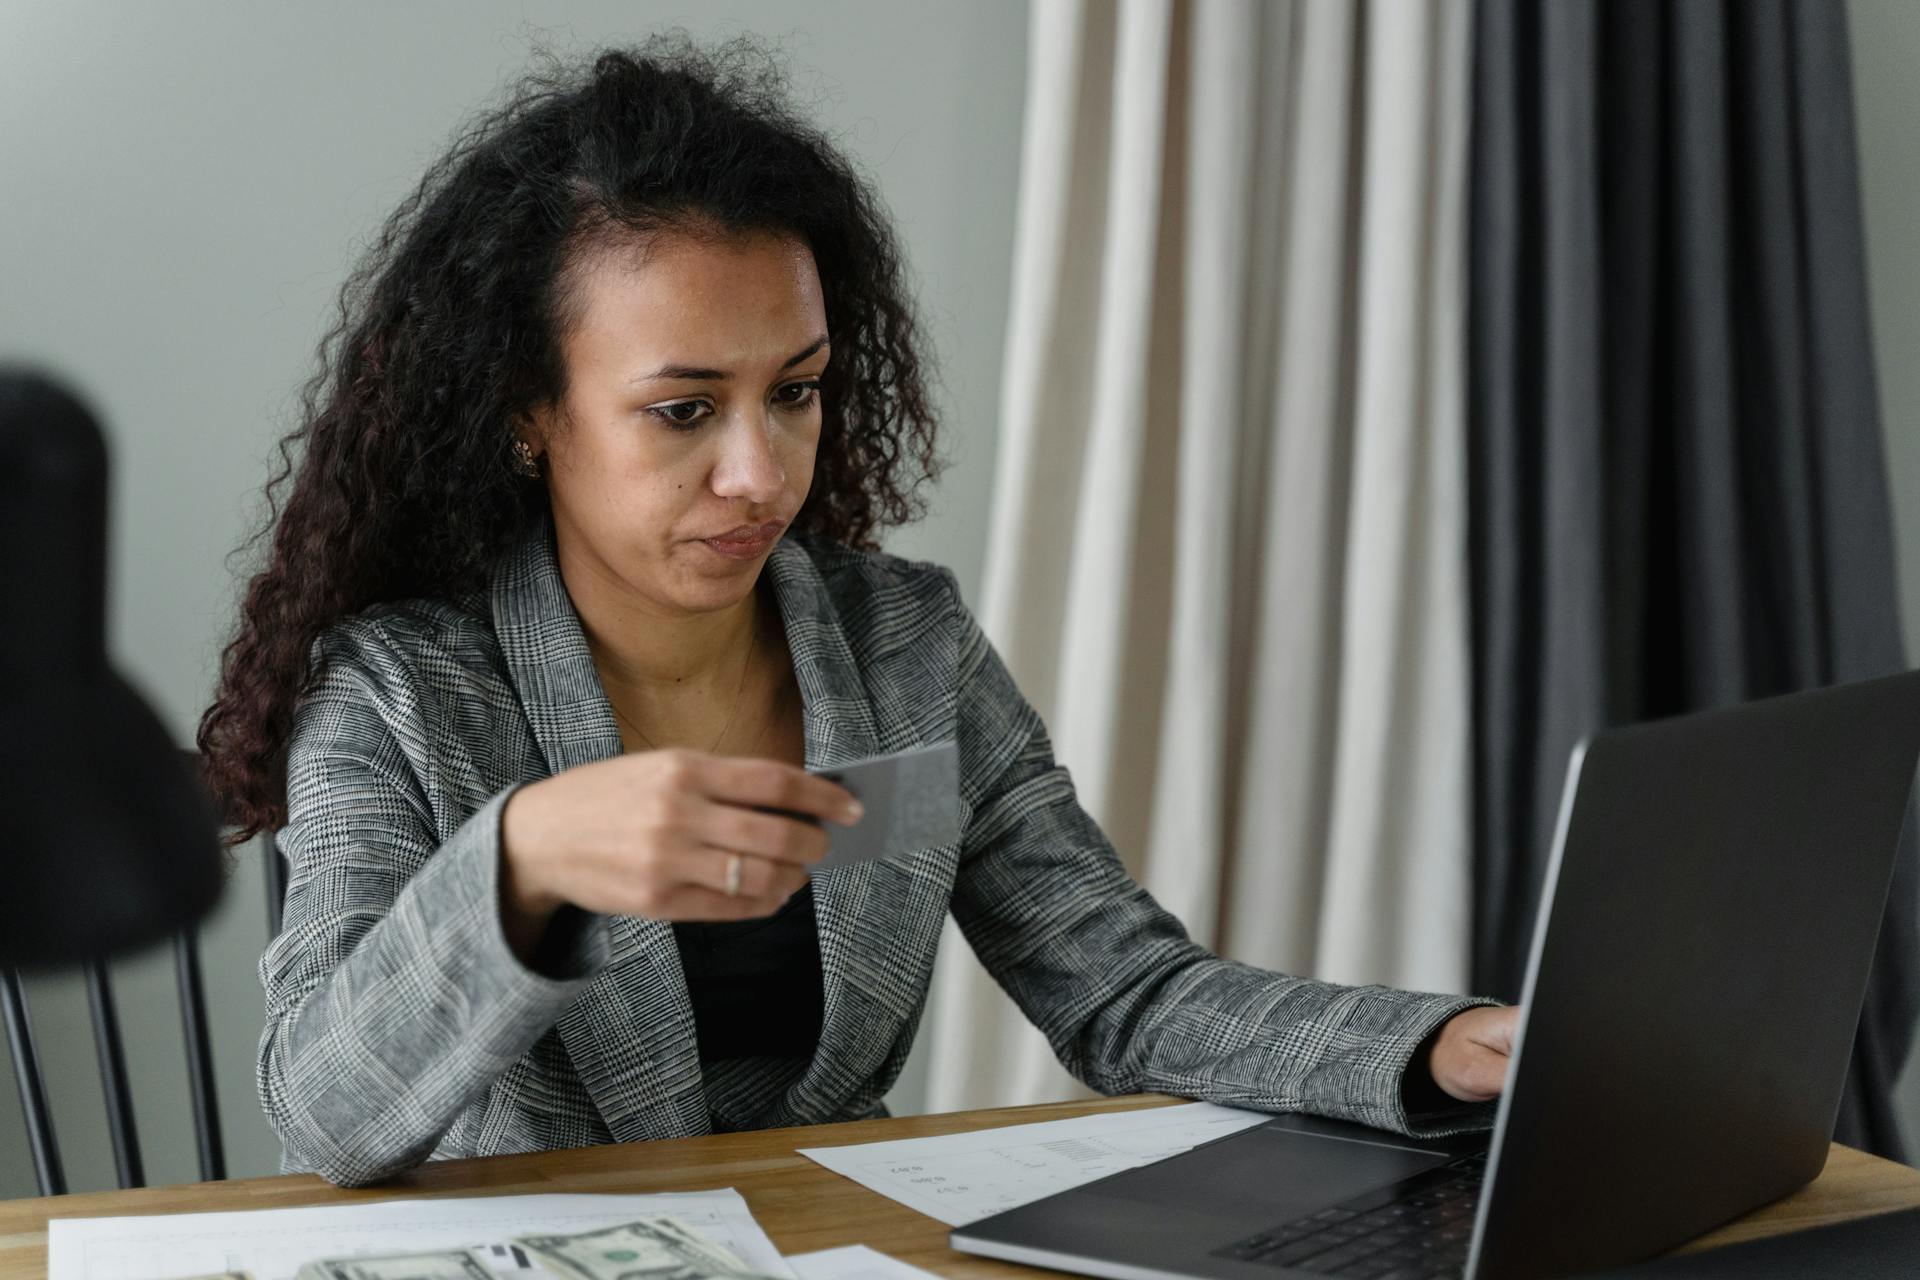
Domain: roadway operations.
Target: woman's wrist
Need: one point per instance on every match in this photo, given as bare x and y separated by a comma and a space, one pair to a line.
527, 906
1472, 1051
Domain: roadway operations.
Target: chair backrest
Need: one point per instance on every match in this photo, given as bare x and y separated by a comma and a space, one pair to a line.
29, 1077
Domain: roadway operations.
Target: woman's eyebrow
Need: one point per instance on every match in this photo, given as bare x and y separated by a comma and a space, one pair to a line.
689, 372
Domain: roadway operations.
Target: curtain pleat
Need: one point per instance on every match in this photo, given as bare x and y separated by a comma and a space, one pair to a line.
1396, 895
1272, 917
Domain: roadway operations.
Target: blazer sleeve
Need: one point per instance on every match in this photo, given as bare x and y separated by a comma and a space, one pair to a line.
393, 999
1125, 998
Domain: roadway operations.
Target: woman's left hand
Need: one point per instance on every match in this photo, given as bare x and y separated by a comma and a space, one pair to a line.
1469, 1059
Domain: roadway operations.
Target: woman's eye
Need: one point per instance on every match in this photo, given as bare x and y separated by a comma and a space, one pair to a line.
807, 392
681, 413
685, 414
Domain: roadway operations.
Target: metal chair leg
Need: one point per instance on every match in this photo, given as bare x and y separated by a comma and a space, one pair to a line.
113, 1077
193, 1017
33, 1093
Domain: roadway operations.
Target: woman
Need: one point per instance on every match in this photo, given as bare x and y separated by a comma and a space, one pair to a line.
575, 579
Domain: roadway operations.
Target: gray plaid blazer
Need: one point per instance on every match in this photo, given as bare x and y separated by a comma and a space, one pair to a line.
400, 1026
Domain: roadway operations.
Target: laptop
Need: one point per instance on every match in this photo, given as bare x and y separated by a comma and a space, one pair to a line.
1699, 960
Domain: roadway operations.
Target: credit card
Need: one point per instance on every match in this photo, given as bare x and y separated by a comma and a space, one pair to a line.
912, 801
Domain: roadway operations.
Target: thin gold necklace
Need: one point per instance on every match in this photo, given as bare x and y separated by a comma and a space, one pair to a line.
753, 642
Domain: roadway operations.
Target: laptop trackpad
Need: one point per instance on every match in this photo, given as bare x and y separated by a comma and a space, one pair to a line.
1269, 1171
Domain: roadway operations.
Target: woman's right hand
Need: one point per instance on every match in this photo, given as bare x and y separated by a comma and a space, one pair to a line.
652, 833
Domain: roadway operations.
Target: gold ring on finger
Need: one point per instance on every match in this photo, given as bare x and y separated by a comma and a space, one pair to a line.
733, 875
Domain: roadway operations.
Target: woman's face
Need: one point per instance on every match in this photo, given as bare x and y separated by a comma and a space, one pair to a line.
692, 414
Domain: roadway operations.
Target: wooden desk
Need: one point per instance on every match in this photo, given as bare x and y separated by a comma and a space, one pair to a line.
802, 1206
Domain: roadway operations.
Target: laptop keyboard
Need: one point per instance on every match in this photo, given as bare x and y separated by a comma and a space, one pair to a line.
1419, 1227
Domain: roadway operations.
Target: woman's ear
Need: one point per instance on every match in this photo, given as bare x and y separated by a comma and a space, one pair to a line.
528, 428
539, 425
529, 445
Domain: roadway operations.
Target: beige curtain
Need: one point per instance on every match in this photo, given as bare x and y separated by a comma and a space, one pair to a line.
1228, 561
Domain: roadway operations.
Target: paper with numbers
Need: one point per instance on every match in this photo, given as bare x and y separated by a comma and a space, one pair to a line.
963, 1177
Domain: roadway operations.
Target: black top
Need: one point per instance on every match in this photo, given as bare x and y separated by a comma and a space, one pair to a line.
755, 984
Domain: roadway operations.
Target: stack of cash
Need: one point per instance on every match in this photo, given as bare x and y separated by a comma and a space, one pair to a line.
662, 1248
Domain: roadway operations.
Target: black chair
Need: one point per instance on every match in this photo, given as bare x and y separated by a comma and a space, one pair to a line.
48, 1170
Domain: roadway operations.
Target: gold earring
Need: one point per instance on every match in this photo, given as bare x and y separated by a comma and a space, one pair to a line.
523, 459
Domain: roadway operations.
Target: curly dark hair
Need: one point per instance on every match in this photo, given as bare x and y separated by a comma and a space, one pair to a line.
449, 331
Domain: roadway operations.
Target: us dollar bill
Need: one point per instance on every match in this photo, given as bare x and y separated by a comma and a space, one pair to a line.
437, 1264
662, 1248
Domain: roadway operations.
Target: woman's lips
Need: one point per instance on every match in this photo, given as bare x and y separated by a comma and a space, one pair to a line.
749, 543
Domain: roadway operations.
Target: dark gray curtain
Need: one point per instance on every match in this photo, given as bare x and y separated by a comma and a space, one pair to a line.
1678, 497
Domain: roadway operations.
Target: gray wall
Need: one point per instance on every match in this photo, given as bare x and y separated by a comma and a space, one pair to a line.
186, 184
1886, 52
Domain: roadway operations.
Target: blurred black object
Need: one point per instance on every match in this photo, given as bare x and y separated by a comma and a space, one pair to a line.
111, 841
1881, 1247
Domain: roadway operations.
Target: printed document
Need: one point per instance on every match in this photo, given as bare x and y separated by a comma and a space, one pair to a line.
962, 1177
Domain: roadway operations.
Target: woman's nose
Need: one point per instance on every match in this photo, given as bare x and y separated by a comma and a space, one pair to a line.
748, 466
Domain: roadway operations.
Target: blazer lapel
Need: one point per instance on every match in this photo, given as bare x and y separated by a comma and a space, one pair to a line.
630, 1032
857, 908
